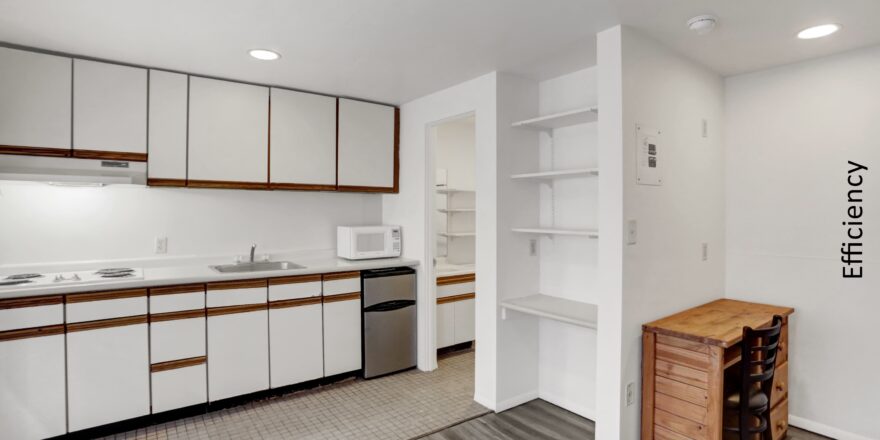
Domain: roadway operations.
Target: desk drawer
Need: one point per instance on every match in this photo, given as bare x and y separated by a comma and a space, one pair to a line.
779, 420
782, 351
780, 385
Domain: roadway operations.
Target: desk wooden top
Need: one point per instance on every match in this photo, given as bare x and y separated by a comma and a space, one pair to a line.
719, 322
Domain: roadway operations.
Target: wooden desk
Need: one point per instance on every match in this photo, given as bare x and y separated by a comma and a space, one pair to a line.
684, 358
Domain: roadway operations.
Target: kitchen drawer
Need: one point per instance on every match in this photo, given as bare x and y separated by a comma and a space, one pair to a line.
236, 293
180, 386
177, 339
20, 313
304, 286
343, 282
455, 289
780, 385
177, 298
779, 420
106, 305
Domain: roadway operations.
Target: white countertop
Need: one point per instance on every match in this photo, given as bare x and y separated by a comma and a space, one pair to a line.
186, 270
448, 269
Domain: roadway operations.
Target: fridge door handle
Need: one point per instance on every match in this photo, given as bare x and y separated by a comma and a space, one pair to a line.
388, 306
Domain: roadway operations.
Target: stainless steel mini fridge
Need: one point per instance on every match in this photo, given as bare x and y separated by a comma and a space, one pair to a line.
389, 309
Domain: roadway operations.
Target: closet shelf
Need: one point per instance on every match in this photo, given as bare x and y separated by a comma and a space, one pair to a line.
551, 307
558, 120
454, 210
453, 190
557, 174
457, 234
551, 232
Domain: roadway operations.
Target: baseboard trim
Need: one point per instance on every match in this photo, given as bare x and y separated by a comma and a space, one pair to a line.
488, 403
819, 428
515, 401
566, 404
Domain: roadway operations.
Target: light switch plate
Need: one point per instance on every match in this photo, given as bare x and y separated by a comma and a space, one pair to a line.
630, 393
161, 245
632, 233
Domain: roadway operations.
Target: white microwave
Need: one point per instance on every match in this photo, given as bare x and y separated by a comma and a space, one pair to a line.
362, 242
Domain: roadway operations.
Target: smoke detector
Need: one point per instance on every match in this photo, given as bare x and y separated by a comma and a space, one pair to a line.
702, 24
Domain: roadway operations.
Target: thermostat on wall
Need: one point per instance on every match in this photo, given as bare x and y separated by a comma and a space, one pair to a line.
649, 161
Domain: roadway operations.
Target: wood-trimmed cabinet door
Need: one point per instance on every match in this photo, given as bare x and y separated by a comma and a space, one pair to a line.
109, 111
464, 321
167, 141
368, 147
302, 141
228, 134
35, 96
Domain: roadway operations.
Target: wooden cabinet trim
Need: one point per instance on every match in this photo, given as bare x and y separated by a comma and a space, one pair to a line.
106, 323
396, 188
36, 301
648, 384
106, 295
109, 155
178, 183
456, 298
240, 284
366, 189
228, 310
226, 184
302, 186
34, 332
456, 279
299, 302
177, 363
175, 316
341, 275
171, 290
342, 297
295, 279
35, 151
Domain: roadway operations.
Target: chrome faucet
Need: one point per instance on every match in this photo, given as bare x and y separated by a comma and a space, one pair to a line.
253, 249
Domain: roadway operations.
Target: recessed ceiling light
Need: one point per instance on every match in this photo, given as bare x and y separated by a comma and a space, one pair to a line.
264, 54
823, 30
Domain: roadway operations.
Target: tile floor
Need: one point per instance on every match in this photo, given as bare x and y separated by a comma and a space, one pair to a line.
401, 406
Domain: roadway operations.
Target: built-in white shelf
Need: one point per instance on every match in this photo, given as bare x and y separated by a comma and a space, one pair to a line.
549, 231
557, 174
455, 210
457, 234
563, 119
453, 190
551, 307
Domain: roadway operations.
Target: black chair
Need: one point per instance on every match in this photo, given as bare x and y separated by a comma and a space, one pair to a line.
757, 366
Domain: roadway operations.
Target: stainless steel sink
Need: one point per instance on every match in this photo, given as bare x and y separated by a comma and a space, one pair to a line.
258, 266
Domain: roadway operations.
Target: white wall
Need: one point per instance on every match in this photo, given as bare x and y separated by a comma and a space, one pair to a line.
409, 209
790, 132
569, 265
663, 273
40, 223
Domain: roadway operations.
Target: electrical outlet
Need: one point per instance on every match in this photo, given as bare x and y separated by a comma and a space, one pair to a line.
705, 251
161, 245
630, 393
533, 247
632, 232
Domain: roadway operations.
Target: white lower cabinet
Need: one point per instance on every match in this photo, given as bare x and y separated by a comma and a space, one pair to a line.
342, 335
296, 344
108, 375
177, 339
445, 325
238, 353
179, 388
32, 400
464, 321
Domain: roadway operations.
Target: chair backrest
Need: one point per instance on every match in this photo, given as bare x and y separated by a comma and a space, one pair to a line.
759, 347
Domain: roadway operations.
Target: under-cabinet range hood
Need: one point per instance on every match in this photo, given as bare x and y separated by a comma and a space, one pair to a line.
71, 171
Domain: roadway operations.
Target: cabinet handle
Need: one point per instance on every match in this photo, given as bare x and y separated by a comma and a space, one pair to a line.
780, 426
780, 386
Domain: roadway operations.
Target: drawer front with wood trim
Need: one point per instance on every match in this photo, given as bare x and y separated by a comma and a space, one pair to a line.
179, 386
35, 97
83, 307
342, 333
779, 420
109, 110
238, 349
782, 351
236, 293
32, 392
368, 147
177, 339
22, 313
455, 289
302, 140
296, 349
108, 372
780, 385
177, 298
303, 286
342, 282
168, 113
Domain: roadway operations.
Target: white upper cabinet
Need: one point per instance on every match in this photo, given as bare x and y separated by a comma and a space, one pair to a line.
367, 136
303, 140
34, 100
109, 108
168, 100
228, 132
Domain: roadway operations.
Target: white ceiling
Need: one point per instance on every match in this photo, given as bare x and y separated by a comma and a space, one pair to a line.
754, 34
384, 50
397, 50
